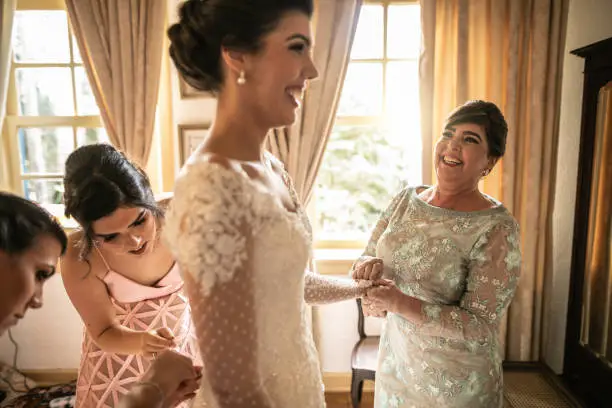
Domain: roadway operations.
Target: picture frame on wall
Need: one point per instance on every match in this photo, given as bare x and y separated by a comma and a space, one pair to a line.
189, 92
190, 137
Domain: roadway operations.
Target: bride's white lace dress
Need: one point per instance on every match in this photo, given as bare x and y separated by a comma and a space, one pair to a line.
244, 259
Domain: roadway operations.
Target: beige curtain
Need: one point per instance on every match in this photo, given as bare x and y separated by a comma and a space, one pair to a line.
7, 13
301, 147
508, 52
121, 44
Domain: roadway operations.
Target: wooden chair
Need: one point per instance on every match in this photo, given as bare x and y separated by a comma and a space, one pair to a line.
363, 360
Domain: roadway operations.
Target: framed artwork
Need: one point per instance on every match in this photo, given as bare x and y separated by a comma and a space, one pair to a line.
188, 92
190, 137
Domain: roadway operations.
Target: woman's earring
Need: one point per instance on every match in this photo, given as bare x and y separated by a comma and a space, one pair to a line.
242, 78
485, 172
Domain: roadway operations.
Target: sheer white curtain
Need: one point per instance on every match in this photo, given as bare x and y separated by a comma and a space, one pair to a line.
7, 13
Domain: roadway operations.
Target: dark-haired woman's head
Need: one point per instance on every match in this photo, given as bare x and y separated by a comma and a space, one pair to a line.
31, 242
254, 54
111, 198
473, 140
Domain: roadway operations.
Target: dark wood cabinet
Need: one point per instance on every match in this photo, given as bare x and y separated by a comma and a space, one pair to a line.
588, 348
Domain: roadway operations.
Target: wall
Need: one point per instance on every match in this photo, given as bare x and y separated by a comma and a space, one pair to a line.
588, 21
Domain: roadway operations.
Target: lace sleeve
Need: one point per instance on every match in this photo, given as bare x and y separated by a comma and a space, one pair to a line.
379, 229
210, 228
491, 283
320, 289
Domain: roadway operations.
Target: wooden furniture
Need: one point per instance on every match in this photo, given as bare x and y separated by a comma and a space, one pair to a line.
588, 348
363, 360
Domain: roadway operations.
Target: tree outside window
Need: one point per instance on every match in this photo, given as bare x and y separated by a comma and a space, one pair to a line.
375, 145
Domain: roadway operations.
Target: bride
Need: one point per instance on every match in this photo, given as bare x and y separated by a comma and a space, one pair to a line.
236, 226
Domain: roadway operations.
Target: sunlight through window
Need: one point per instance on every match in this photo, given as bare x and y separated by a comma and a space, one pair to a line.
375, 146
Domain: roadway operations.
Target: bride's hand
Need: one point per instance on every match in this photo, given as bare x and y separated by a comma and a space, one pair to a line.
370, 268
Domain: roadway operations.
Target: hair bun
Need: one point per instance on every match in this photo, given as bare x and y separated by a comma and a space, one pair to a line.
197, 61
83, 201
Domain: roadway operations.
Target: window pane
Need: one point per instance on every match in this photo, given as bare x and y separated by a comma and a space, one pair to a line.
362, 91
45, 150
41, 36
86, 102
403, 31
86, 136
45, 91
76, 53
44, 191
403, 92
362, 169
369, 37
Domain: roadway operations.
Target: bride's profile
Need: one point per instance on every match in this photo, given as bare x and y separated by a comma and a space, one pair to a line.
235, 225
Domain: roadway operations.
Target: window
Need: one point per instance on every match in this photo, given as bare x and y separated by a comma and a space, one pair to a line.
51, 108
375, 146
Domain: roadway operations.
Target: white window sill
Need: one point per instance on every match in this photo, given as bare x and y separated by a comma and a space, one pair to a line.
335, 261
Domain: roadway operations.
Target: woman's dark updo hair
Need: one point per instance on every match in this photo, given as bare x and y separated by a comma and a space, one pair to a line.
486, 114
207, 26
22, 221
98, 180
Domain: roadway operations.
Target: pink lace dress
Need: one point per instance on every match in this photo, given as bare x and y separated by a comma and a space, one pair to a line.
104, 377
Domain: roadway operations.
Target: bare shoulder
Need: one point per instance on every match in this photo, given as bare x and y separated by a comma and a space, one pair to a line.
72, 266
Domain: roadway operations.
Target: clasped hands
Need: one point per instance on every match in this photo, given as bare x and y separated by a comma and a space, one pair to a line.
383, 296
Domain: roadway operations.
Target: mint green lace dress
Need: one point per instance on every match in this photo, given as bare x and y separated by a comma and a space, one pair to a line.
464, 266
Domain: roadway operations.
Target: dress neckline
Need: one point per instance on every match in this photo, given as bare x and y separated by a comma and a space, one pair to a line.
241, 172
268, 157
499, 207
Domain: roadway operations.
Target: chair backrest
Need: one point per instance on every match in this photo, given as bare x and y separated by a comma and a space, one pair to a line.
360, 320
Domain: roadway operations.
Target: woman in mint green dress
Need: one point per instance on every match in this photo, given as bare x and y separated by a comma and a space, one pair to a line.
452, 258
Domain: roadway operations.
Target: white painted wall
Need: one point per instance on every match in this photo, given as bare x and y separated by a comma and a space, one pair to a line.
588, 21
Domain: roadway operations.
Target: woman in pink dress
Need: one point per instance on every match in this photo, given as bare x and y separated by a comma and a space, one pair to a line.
120, 277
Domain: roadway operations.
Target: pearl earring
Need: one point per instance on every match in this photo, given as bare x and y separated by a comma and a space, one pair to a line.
241, 79
485, 173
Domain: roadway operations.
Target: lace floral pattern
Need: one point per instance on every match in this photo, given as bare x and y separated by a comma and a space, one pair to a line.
465, 268
219, 217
